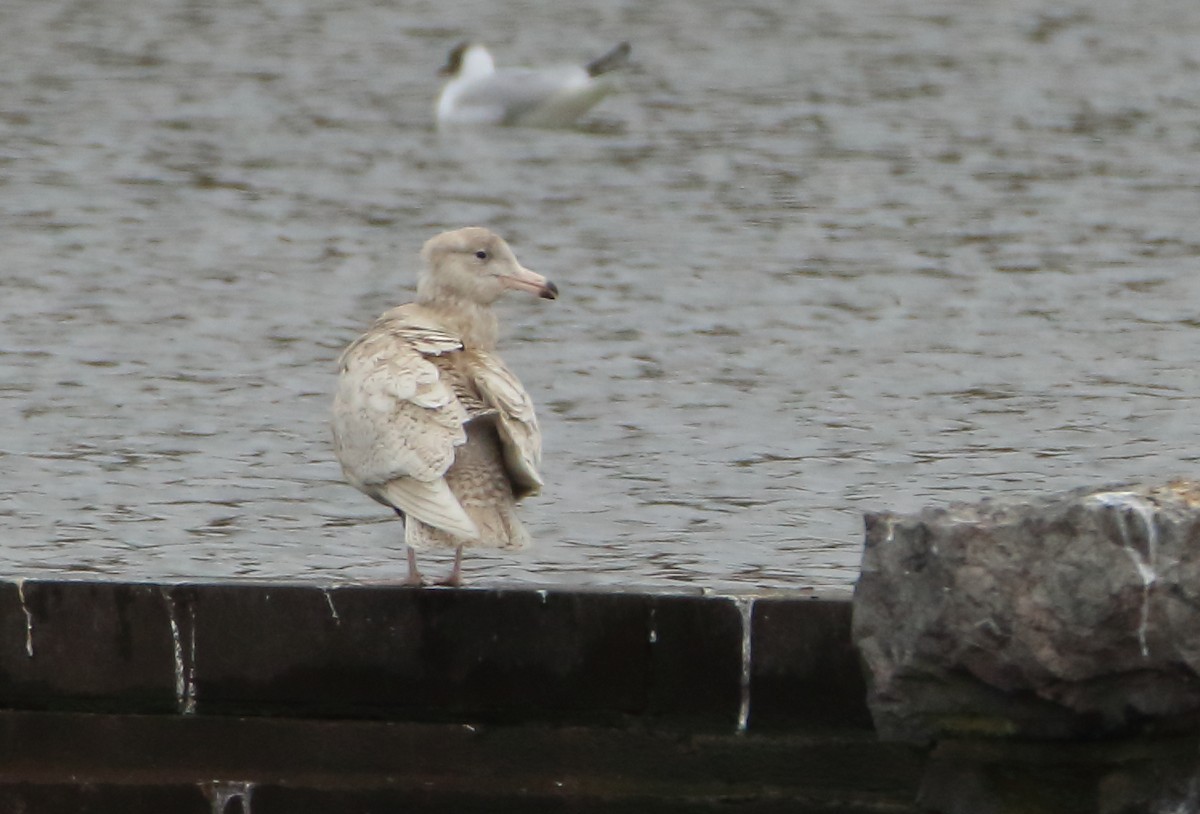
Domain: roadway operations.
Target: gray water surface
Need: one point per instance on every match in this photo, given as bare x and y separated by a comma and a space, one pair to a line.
815, 260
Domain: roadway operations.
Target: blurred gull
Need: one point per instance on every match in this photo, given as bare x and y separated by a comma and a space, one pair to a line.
428, 420
477, 93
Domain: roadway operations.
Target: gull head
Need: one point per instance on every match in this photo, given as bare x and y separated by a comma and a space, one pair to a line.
468, 60
476, 265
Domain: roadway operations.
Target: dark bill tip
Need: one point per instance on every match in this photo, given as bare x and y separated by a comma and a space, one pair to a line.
549, 291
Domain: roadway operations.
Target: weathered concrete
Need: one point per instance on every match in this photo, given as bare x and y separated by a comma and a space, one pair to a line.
1069, 616
290, 765
268, 698
86, 645
429, 655
288, 699
805, 671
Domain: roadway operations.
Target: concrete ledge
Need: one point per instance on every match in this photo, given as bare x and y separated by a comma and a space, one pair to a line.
86, 645
701, 663
131, 763
454, 655
804, 670
289, 699
227, 698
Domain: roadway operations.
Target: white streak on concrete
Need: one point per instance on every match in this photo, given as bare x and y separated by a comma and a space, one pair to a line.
28, 618
1127, 504
190, 706
653, 625
332, 610
745, 606
223, 792
185, 684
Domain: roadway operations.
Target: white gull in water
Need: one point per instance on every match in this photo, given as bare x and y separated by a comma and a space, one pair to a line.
478, 93
428, 420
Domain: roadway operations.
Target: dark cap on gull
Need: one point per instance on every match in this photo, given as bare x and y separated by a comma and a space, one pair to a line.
454, 59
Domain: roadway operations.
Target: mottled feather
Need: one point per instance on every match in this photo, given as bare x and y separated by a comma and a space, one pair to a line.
428, 419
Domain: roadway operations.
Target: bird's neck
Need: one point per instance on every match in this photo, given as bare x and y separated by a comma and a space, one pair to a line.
475, 324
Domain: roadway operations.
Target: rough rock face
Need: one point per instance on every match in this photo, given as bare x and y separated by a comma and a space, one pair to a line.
1067, 616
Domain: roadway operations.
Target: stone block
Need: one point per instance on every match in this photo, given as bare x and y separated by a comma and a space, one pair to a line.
1072, 615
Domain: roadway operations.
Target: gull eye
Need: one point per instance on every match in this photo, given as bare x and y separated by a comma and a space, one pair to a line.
481, 254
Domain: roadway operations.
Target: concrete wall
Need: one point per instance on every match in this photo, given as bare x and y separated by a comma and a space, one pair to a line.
264, 698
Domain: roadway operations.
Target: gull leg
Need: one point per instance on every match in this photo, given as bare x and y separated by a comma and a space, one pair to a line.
455, 578
414, 577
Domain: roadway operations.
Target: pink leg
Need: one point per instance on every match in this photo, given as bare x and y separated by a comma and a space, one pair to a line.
414, 575
455, 578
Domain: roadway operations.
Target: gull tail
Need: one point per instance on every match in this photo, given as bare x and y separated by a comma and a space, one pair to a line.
498, 527
614, 59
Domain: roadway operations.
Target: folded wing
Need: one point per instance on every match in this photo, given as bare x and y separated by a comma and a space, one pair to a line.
516, 423
397, 423
511, 94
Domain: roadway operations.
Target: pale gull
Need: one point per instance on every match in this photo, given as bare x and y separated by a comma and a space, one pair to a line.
428, 420
478, 93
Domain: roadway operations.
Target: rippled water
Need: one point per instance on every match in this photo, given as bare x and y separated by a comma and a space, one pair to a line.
815, 261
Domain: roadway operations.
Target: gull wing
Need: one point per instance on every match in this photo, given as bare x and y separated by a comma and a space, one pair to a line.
512, 93
396, 423
520, 436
